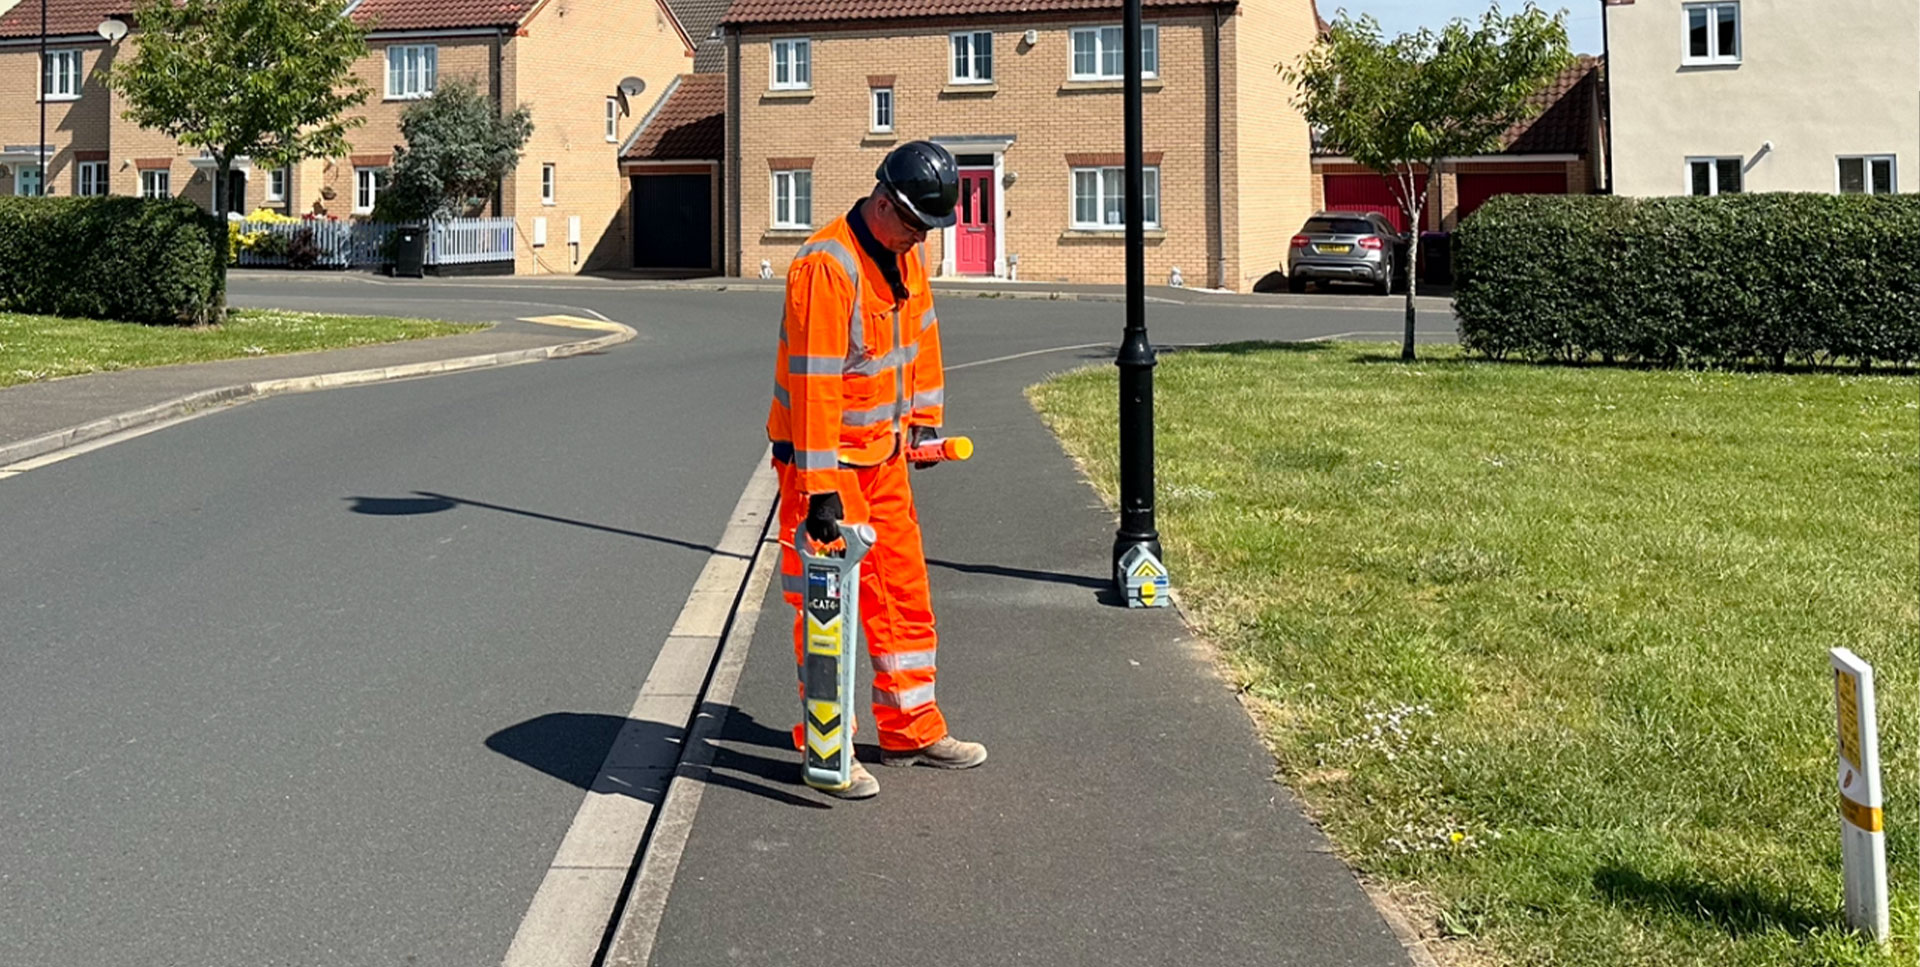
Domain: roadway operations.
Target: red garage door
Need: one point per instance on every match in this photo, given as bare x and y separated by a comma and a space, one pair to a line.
1367, 193
1476, 189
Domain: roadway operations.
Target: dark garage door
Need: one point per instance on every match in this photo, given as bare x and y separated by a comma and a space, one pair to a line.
672, 222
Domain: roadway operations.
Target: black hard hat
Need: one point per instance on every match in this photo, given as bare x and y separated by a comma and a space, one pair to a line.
921, 176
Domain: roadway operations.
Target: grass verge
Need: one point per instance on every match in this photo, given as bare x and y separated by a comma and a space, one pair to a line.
48, 347
1544, 648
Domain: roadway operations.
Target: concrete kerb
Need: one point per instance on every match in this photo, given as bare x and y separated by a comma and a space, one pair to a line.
46, 443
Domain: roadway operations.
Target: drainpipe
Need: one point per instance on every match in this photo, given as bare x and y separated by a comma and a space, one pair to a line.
1213, 159
497, 84
733, 151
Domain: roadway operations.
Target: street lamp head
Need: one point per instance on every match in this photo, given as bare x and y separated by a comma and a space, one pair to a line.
112, 29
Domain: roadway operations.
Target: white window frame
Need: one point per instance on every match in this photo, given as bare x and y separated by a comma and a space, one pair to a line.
60, 75
425, 76
1866, 172
791, 178
90, 178
1149, 58
879, 120
971, 40
156, 183
1112, 178
794, 53
1714, 56
366, 184
279, 176
1713, 174
613, 119
549, 178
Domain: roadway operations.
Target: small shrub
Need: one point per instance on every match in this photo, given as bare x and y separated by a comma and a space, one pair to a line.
111, 258
1770, 278
302, 251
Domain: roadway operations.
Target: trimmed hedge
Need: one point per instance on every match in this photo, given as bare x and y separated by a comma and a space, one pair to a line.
118, 258
1772, 278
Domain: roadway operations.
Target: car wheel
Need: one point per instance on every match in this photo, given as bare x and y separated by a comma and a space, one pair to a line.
1384, 286
1296, 284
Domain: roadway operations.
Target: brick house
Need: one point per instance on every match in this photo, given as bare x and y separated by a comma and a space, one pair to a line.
1559, 151
565, 59
1027, 95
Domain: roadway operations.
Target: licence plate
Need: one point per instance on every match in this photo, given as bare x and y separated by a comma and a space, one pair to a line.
1335, 249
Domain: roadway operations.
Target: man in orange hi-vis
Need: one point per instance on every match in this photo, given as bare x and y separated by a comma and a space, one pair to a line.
858, 382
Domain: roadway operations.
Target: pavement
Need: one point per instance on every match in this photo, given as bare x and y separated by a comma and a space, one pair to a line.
1128, 815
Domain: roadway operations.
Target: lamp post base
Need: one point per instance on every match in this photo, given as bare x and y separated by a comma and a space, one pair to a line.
1139, 574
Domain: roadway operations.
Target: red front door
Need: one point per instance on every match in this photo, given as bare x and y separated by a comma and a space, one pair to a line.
973, 234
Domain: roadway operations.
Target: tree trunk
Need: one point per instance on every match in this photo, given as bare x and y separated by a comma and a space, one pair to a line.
1413, 262
221, 166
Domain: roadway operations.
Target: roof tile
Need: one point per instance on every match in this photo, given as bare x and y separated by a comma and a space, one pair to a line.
440, 14
1565, 122
796, 11
65, 18
688, 125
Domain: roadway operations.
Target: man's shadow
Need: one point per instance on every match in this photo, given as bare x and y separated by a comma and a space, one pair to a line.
573, 746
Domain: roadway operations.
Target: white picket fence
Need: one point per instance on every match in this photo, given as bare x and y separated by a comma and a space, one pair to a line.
338, 245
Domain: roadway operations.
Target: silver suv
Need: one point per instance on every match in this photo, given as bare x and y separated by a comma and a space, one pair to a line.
1346, 247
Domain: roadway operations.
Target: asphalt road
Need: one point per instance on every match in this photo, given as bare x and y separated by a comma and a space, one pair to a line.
265, 676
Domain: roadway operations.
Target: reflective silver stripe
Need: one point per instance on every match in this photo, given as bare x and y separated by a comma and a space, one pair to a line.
813, 365
902, 661
794, 584
816, 459
910, 698
856, 343
879, 414
884, 362
780, 396
932, 397
928, 320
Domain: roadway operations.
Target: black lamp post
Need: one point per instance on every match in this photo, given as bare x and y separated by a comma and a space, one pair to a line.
1137, 569
45, 75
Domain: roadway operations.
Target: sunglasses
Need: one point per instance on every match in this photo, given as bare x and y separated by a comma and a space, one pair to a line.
906, 217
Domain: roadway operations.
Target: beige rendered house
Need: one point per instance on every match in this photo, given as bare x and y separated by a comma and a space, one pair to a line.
1027, 95
564, 59
1764, 95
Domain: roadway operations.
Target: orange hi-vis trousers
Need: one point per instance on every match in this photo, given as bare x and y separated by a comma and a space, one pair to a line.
896, 611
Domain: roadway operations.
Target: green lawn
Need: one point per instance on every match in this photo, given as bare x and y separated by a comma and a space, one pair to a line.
47, 347
1544, 648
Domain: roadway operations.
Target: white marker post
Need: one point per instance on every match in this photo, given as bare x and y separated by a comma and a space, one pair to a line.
1862, 844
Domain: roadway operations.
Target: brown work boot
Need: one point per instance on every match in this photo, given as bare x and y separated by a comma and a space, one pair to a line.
948, 753
863, 786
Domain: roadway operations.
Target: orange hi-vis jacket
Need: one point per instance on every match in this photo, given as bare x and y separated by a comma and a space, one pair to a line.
855, 368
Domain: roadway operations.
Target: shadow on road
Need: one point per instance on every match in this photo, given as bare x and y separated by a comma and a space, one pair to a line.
1103, 589
424, 502
573, 747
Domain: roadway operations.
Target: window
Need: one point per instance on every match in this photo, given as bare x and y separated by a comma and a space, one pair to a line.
793, 199
613, 119
156, 183
882, 110
1713, 176
367, 183
546, 184
1098, 52
411, 71
1867, 175
90, 178
1099, 198
60, 75
277, 184
1713, 33
26, 181
792, 64
973, 57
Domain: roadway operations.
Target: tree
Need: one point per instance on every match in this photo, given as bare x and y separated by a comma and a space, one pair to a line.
459, 147
260, 79
1400, 105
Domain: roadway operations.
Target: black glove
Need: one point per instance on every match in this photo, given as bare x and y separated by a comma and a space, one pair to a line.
823, 517
917, 435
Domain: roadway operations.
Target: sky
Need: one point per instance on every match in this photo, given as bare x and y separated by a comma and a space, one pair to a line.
1402, 16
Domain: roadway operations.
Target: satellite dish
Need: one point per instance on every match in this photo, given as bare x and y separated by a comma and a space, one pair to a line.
630, 87
112, 29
